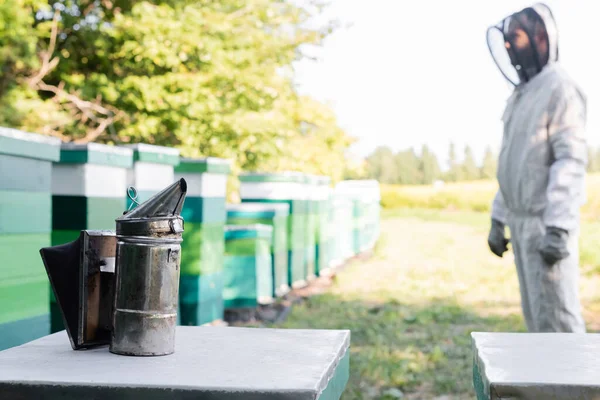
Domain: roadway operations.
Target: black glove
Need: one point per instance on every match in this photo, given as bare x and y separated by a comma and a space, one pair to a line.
497, 239
554, 245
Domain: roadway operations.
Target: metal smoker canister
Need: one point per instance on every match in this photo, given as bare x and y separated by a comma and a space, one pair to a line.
147, 275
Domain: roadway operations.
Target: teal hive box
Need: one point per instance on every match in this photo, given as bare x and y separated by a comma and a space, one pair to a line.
335, 242
25, 227
152, 170
203, 247
345, 222
288, 188
248, 280
373, 212
359, 225
275, 215
310, 243
88, 192
323, 234
365, 197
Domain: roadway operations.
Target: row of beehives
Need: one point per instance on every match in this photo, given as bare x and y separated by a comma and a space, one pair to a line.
289, 228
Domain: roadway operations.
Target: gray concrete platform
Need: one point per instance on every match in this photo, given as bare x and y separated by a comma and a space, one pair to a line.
208, 363
536, 366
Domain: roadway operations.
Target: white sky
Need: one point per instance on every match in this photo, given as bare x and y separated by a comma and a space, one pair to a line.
407, 73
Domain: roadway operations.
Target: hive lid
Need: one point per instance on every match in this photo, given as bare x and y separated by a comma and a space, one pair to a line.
22, 144
154, 154
204, 165
95, 153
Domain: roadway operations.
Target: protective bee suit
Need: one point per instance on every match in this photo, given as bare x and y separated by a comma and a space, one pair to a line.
541, 170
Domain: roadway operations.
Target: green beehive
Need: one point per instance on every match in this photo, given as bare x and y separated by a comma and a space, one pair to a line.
247, 276
203, 247
288, 188
152, 170
88, 192
364, 197
373, 212
310, 234
275, 215
25, 227
323, 236
344, 221
359, 223
335, 238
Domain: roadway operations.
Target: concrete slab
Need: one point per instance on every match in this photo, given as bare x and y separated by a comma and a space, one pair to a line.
208, 363
536, 366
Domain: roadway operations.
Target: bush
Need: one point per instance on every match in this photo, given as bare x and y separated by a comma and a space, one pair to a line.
475, 196
469, 196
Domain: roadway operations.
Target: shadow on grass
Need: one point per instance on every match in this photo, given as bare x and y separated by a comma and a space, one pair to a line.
423, 350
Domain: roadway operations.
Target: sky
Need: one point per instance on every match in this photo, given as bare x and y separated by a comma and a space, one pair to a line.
407, 73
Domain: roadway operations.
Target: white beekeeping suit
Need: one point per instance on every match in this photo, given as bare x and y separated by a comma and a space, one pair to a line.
541, 171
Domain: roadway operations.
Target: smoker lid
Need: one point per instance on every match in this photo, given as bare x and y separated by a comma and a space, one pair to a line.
159, 215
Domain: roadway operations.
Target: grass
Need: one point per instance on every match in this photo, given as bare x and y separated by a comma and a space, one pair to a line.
469, 196
412, 307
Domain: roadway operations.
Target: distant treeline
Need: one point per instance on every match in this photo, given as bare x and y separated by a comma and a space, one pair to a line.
408, 167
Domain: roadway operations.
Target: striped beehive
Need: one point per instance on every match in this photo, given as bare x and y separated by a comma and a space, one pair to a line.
322, 196
202, 256
88, 192
25, 227
344, 222
312, 209
334, 216
152, 169
373, 212
365, 199
288, 188
275, 215
247, 273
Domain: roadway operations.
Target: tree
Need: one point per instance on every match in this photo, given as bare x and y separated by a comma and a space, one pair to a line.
489, 165
593, 159
381, 165
428, 166
470, 171
211, 77
408, 166
454, 172
21, 105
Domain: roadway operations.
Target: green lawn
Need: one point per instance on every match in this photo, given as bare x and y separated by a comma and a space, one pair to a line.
412, 307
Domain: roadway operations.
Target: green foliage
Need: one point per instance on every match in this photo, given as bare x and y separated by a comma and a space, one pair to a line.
454, 173
20, 106
470, 171
408, 167
475, 196
382, 164
489, 165
593, 159
213, 78
429, 167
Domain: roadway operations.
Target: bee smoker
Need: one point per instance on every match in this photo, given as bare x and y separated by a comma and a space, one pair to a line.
121, 288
